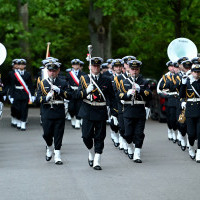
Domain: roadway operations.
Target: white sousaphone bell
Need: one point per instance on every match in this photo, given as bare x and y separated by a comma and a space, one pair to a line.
3, 53
181, 47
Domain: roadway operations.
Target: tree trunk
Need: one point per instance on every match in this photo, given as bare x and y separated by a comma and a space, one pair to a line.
100, 32
24, 43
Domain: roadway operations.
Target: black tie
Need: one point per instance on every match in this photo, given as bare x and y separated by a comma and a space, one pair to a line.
95, 79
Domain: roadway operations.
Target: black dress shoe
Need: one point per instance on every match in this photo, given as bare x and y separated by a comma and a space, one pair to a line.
179, 143
48, 158
198, 161
97, 167
59, 163
138, 161
90, 162
192, 157
121, 148
130, 156
23, 129
126, 151
174, 141
183, 148
14, 125
116, 144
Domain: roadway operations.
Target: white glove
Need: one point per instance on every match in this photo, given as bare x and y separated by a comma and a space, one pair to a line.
137, 87
11, 100
56, 89
165, 91
89, 88
130, 92
184, 80
188, 72
183, 105
33, 98
114, 120
88, 97
49, 95
4, 98
192, 79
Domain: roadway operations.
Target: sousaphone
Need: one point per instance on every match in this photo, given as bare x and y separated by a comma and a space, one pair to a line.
3, 53
181, 47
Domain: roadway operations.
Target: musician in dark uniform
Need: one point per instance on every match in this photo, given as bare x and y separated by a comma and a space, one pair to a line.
184, 65
22, 92
117, 69
104, 68
109, 72
135, 94
95, 92
7, 90
51, 94
72, 78
123, 144
190, 91
166, 89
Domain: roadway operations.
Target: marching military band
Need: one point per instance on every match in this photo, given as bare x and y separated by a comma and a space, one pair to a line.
113, 92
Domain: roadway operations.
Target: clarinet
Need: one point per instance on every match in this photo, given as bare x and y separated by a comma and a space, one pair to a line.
133, 87
51, 100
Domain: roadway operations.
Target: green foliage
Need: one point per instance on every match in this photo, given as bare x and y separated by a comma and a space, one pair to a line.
140, 28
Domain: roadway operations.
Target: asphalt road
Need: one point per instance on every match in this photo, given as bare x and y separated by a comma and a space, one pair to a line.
166, 173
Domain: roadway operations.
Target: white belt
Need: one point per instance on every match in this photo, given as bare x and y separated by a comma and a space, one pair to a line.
56, 102
74, 87
193, 99
94, 103
172, 93
132, 102
19, 87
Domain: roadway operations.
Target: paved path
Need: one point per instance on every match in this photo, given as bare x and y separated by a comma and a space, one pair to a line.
166, 171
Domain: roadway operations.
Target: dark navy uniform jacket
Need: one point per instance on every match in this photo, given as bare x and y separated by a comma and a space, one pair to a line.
168, 82
186, 92
20, 94
145, 94
58, 110
70, 80
92, 112
117, 89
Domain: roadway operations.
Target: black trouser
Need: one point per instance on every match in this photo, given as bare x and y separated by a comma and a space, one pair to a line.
171, 118
121, 124
22, 108
193, 130
182, 127
94, 132
14, 112
134, 131
74, 107
53, 128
